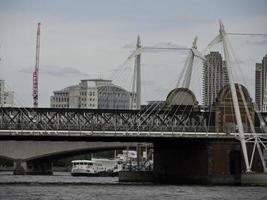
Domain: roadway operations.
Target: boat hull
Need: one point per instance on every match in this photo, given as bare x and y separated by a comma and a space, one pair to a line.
102, 174
84, 174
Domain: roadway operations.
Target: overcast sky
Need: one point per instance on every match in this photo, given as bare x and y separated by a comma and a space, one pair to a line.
91, 38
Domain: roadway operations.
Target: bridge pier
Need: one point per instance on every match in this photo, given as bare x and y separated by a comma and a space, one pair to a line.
20, 167
180, 162
199, 161
36, 167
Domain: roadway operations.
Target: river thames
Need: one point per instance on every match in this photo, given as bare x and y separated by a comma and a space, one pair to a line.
62, 186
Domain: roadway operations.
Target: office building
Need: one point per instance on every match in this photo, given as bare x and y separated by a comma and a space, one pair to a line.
6, 97
93, 94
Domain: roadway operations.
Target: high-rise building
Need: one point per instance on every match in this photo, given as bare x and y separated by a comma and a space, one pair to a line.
2, 86
261, 84
6, 97
215, 76
258, 85
93, 94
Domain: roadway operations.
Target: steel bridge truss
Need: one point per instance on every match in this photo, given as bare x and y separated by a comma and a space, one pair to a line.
107, 120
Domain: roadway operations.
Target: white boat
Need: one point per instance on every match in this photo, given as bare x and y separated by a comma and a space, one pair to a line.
86, 168
94, 167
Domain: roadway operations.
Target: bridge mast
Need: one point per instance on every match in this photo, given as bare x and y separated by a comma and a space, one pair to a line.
138, 74
189, 67
223, 39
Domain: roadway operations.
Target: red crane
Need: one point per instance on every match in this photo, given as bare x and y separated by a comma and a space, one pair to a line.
35, 75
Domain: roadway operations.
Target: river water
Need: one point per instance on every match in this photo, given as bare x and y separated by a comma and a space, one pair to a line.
62, 186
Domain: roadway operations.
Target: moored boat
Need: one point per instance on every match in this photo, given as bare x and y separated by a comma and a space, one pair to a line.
86, 168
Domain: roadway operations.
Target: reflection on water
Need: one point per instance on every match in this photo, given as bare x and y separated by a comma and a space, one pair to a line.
63, 186
57, 178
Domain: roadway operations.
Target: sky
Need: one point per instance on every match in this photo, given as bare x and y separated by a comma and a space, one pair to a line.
85, 39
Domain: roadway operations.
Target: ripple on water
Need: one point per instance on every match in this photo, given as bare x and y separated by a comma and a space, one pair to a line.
65, 187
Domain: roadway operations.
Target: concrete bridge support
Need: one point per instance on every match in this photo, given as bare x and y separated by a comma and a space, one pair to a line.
34, 167
20, 167
199, 161
180, 162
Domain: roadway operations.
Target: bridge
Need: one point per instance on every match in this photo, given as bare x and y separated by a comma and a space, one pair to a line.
92, 123
192, 144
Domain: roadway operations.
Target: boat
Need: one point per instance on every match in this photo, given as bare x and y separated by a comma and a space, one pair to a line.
86, 168
110, 166
94, 167
127, 160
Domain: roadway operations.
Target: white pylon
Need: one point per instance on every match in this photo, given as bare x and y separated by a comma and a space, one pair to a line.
188, 66
138, 74
136, 85
222, 38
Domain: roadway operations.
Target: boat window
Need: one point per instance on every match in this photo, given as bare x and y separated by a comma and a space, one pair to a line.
83, 163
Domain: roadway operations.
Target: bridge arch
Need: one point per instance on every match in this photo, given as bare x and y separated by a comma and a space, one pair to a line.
6, 158
65, 154
30, 150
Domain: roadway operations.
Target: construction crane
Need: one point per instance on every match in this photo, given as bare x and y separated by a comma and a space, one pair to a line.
35, 75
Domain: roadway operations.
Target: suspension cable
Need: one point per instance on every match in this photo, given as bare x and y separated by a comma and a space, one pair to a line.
248, 34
